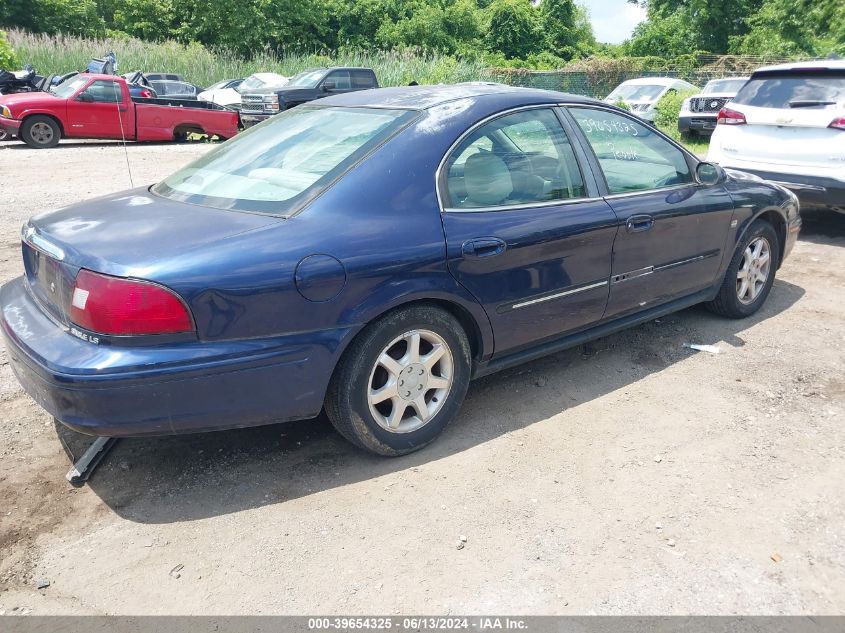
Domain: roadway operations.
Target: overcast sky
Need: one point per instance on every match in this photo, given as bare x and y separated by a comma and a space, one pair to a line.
613, 20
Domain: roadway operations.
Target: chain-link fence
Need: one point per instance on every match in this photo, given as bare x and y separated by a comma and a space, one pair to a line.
598, 77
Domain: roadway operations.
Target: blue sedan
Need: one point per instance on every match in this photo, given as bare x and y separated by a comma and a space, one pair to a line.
369, 254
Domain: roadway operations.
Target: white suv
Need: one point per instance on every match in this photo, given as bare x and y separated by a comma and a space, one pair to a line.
787, 125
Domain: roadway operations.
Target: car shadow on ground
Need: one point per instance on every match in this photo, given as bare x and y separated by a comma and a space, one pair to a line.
822, 226
168, 479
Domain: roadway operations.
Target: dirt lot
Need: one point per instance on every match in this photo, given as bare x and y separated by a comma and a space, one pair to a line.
632, 475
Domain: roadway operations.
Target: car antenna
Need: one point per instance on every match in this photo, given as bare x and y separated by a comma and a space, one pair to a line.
120, 122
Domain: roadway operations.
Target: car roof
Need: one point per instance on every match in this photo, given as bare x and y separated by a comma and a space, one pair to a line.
825, 64
429, 96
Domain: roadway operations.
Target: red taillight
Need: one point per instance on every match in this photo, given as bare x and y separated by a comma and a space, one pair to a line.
146, 94
112, 305
730, 117
838, 124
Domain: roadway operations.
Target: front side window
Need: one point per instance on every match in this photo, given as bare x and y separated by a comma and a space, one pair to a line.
274, 167
515, 160
340, 79
632, 156
103, 92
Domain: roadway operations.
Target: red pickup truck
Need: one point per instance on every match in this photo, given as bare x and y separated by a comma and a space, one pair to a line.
100, 106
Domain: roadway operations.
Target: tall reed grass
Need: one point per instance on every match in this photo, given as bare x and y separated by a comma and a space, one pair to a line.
59, 54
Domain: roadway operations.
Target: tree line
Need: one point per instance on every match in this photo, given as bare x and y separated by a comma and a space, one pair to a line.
515, 33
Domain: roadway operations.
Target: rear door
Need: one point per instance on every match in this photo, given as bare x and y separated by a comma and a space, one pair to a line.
526, 232
98, 111
672, 230
788, 116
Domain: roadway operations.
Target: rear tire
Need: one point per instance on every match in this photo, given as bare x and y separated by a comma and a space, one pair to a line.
751, 273
40, 132
401, 381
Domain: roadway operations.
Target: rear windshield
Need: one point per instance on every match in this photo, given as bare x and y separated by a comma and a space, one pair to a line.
793, 90
275, 167
723, 85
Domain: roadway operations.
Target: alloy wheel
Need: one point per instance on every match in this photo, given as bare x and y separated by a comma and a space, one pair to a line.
410, 381
754, 270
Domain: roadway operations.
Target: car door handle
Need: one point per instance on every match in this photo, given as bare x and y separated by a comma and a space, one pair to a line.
638, 223
483, 247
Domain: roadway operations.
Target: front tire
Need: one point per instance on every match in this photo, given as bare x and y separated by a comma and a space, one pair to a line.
40, 132
401, 381
751, 273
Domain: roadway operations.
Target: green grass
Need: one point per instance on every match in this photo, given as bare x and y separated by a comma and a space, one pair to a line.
61, 54
697, 145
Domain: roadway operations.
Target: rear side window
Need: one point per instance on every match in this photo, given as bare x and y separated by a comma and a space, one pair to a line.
632, 157
515, 160
361, 80
794, 90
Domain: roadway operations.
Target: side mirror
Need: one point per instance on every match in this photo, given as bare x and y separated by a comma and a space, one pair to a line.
84, 97
328, 86
709, 174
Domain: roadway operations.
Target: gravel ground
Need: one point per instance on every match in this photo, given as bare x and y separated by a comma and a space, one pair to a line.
630, 476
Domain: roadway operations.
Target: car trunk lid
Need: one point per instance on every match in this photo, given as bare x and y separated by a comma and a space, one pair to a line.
144, 235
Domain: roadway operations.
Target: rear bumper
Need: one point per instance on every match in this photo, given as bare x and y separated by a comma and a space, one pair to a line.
10, 125
189, 387
697, 123
812, 191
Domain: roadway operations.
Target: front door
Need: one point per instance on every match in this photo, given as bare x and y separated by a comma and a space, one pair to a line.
98, 111
525, 234
672, 229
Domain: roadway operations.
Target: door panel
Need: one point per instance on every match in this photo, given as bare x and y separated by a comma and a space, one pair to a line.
100, 117
550, 278
679, 254
672, 230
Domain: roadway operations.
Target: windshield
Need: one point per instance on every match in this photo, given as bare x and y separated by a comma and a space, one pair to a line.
723, 85
307, 79
274, 167
819, 89
257, 83
636, 92
66, 89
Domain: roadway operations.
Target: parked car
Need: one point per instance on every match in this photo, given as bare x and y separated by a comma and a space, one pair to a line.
223, 93
100, 106
641, 95
259, 105
787, 125
699, 112
372, 253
